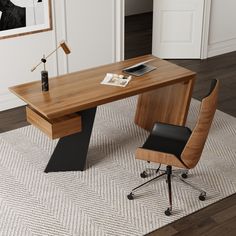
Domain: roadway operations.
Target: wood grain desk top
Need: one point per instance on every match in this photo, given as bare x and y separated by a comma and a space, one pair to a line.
81, 90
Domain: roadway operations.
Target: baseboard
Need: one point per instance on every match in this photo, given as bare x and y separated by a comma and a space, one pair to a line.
219, 48
9, 101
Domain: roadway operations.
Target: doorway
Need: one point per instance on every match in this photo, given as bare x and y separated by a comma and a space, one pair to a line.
138, 28
130, 44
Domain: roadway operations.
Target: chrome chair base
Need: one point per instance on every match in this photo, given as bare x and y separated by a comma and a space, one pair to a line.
169, 174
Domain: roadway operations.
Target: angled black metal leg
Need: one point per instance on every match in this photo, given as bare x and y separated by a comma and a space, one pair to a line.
71, 151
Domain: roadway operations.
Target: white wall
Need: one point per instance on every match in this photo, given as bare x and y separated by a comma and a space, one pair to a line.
18, 55
222, 34
133, 7
88, 30
90, 33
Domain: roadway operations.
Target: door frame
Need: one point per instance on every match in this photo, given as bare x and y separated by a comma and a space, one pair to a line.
120, 29
205, 28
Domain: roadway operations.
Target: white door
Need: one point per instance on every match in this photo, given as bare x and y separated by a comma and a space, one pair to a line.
177, 28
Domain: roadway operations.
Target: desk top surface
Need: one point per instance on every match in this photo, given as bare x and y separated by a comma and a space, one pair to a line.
82, 90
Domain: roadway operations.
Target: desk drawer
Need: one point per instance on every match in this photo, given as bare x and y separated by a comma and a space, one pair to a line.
56, 128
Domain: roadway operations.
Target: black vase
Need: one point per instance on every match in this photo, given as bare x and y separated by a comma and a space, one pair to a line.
44, 80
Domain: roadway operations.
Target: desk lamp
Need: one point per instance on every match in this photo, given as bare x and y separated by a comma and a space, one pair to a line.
44, 72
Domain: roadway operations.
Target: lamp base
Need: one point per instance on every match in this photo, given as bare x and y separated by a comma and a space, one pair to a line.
44, 80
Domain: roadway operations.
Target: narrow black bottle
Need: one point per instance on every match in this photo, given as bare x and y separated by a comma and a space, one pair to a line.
44, 80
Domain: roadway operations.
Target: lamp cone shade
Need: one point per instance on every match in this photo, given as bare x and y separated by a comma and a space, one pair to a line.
65, 47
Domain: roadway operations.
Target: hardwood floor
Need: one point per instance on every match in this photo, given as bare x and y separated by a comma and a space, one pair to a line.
218, 219
12, 119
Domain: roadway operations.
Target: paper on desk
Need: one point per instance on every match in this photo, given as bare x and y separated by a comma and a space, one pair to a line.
116, 80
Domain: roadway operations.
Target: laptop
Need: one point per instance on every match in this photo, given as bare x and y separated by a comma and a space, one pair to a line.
139, 69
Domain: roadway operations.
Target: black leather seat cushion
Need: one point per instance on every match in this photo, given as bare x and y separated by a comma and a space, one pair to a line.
168, 139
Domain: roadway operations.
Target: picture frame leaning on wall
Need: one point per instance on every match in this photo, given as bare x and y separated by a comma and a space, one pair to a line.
21, 17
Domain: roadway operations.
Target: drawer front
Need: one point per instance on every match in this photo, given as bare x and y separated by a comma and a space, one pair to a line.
56, 128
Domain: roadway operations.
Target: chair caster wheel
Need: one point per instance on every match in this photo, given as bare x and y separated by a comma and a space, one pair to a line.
130, 196
168, 212
184, 176
144, 174
202, 196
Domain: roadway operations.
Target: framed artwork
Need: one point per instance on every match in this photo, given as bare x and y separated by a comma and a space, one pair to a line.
21, 17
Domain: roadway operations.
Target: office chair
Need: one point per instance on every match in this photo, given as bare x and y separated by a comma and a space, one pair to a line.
178, 146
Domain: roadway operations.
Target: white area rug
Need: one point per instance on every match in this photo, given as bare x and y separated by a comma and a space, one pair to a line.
93, 202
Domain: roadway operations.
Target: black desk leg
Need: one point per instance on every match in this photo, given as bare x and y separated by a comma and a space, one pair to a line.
71, 151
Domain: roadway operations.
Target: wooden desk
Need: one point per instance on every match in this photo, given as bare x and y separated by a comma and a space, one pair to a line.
68, 109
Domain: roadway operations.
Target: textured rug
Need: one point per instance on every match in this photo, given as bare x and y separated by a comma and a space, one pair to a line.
93, 202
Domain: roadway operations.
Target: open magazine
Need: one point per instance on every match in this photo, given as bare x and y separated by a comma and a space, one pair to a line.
116, 80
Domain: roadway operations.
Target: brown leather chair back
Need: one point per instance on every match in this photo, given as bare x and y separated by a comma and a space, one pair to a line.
194, 147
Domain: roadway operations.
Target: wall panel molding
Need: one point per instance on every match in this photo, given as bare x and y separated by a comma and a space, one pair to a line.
119, 30
222, 34
222, 47
61, 34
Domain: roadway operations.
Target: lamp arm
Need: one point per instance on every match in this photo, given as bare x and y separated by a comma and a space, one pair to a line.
52, 52
45, 58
